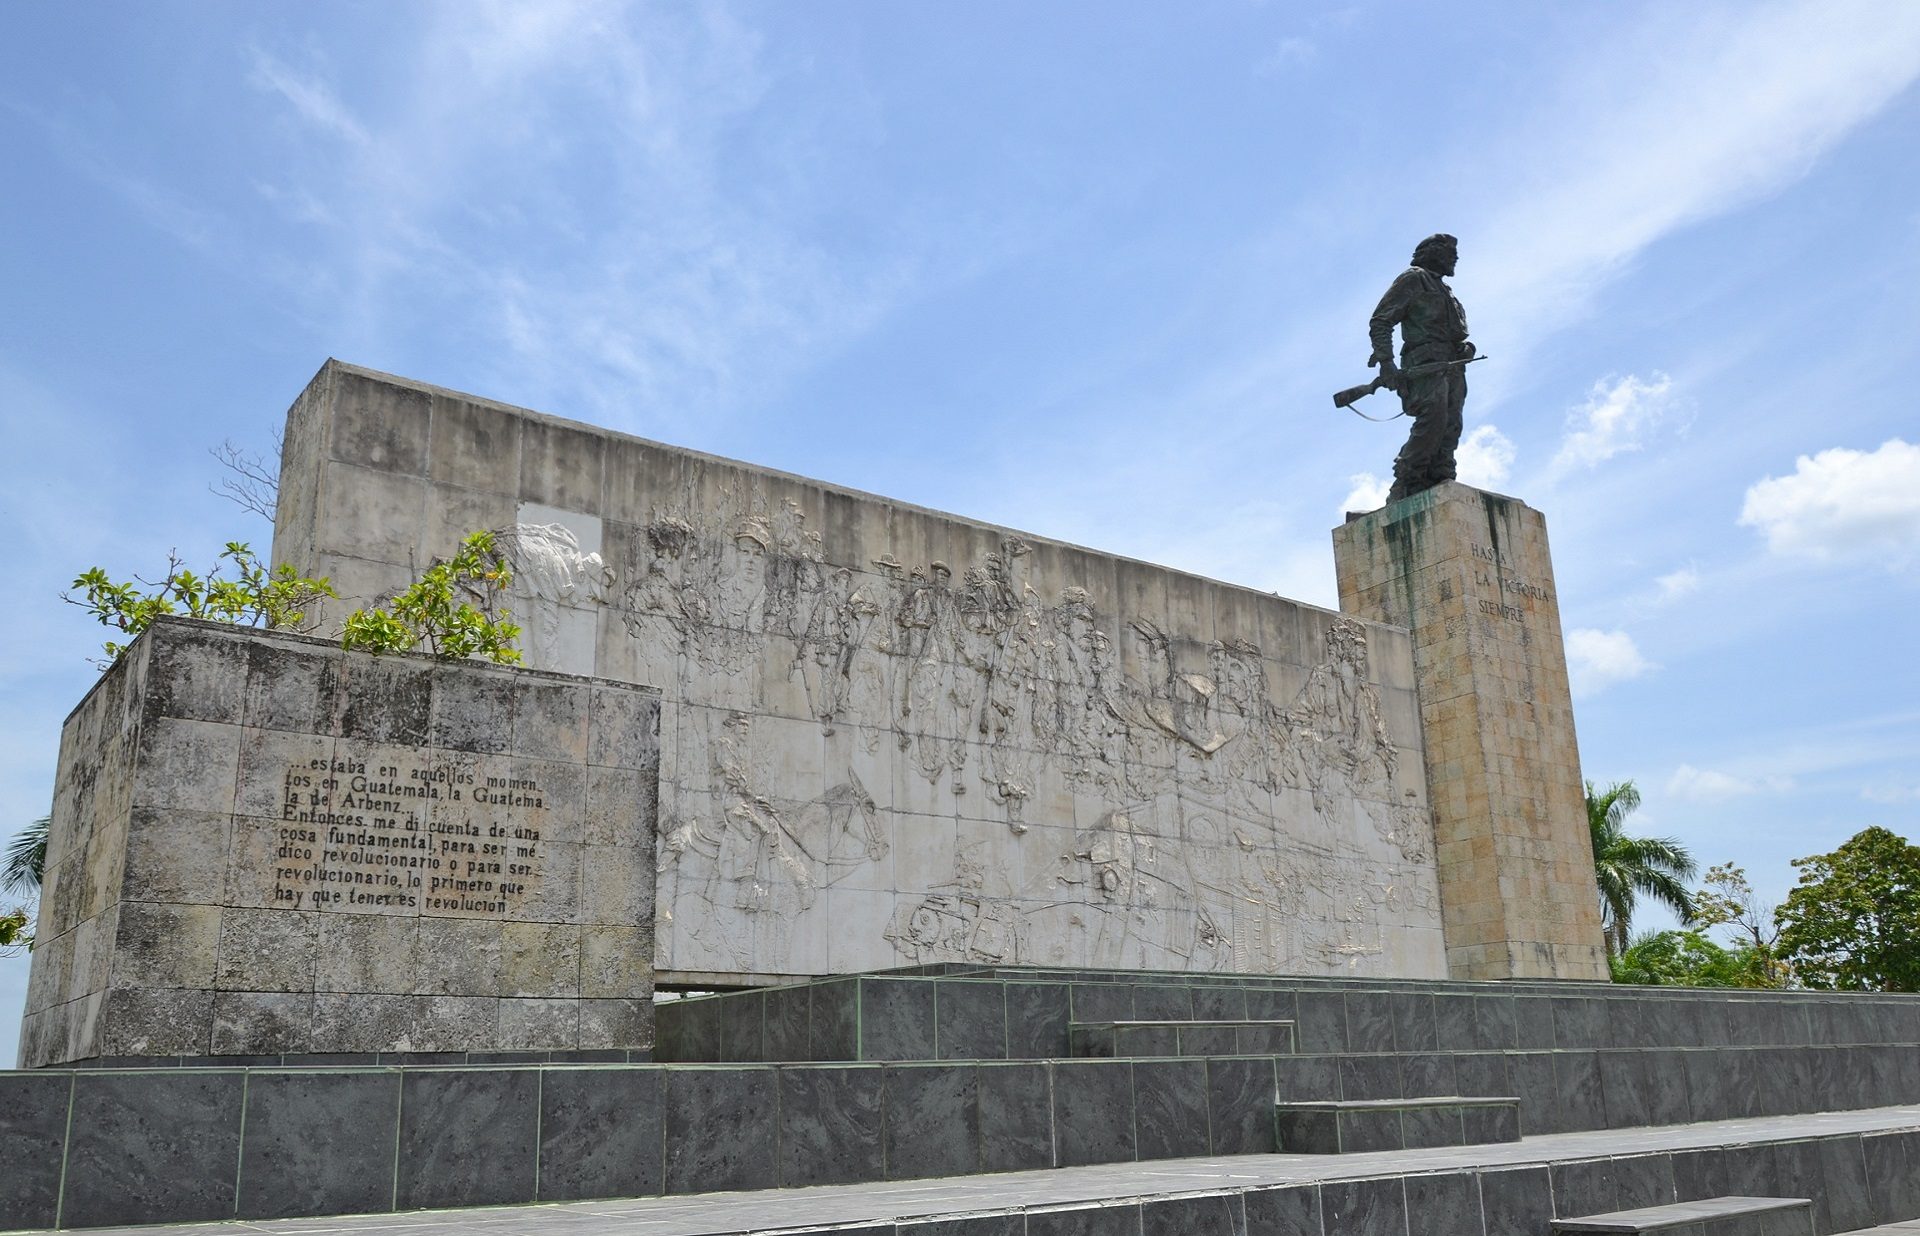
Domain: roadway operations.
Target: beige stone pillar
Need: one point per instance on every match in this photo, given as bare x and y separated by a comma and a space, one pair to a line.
1469, 575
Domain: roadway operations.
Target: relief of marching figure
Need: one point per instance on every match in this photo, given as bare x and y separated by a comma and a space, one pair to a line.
558, 587
1211, 824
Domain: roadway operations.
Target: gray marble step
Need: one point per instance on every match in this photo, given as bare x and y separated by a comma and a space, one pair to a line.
1754, 1216
1181, 1037
1858, 1168
1349, 1126
1023, 1014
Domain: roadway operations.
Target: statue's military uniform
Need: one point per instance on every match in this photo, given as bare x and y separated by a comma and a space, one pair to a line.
1433, 328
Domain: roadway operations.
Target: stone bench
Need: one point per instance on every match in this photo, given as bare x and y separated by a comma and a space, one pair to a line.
1352, 1126
1755, 1216
1192, 1037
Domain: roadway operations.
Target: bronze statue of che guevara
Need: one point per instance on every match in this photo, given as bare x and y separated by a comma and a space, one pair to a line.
1431, 376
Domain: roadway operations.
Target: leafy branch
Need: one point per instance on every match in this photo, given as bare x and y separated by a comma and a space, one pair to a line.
13, 931
252, 596
452, 611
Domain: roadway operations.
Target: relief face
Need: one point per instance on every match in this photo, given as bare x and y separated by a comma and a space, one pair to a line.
888, 763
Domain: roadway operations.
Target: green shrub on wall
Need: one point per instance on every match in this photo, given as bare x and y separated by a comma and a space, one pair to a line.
452, 611
253, 596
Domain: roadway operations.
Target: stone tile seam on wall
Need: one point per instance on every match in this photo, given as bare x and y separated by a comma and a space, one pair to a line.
66, 1148
539, 1122
829, 487
240, 1139
399, 1115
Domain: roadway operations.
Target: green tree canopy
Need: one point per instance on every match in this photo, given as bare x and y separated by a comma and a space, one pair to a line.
1627, 867
1680, 959
1726, 899
1853, 922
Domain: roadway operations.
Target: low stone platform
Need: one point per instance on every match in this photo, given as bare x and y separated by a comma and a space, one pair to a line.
1577, 1056
187, 1142
1859, 1169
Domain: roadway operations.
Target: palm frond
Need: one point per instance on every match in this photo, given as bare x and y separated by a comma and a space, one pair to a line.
1626, 868
25, 861
1667, 890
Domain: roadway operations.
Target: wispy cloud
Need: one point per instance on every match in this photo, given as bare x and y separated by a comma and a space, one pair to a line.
689, 278
1289, 53
310, 97
1842, 756
1707, 785
1842, 503
179, 217
1693, 114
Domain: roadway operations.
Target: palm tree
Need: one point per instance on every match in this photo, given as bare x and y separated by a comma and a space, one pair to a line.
25, 861
1625, 867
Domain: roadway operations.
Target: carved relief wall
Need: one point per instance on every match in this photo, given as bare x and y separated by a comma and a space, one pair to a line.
892, 737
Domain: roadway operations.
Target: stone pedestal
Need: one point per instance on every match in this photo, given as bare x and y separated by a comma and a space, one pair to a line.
265, 846
1468, 573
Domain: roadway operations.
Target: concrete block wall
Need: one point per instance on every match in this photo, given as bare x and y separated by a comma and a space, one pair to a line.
895, 736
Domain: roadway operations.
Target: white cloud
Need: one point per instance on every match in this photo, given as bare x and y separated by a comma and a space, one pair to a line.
1842, 502
1369, 493
1617, 416
1706, 785
1676, 584
1485, 457
1598, 659
1891, 794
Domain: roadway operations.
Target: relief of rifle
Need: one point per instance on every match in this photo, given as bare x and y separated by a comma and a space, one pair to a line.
1391, 381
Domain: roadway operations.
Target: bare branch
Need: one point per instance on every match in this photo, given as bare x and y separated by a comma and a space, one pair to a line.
255, 482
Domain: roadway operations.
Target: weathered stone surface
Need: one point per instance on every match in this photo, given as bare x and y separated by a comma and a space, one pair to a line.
1468, 573
890, 736
337, 853
250, 1023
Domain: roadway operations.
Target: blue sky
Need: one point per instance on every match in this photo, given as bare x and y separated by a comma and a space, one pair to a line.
1086, 269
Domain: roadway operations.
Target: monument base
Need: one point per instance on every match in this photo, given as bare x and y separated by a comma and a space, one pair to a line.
1469, 574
